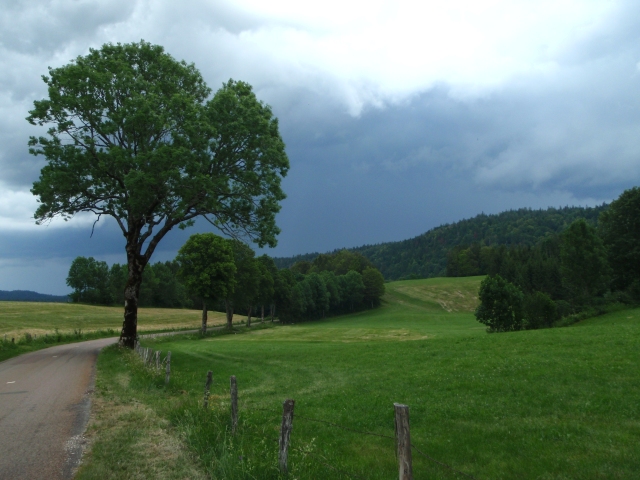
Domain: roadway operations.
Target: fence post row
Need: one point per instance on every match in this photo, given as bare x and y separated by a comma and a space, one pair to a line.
403, 439
285, 433
207, 386
168, 370
234, 404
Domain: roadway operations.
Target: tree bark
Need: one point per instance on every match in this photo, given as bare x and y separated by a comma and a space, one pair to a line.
129, 333
204, 317
249, 316
229, 308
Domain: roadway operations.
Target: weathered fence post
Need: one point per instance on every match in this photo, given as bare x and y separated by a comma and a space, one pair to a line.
168, 371
403, 439
285, 434
13, 340
234, 404
207, 386
157, 359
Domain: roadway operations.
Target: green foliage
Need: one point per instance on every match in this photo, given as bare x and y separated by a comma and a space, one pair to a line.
373, 286
500, 306
89, 279
339, 262
266, 281
161, 287
426, 255
584, 265
133, 135
207, 267
539, 310
246, 278
620, 229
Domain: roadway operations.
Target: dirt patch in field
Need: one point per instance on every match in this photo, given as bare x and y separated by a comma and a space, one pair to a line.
463, 298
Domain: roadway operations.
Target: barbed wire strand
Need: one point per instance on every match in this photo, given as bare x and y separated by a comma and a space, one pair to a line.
429, 457
344, 428
350, 475
442, 464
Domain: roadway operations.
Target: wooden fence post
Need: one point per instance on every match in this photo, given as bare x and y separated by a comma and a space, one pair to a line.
403, 439
157, 359
285, 434
168, 371
207, 386
234, 404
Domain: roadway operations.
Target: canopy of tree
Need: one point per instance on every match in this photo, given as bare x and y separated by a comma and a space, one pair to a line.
134, 135
207, 269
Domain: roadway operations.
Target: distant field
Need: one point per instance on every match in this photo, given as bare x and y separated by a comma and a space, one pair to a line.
548, 404
18, 318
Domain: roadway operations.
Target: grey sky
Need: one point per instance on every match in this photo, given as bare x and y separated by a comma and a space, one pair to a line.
397, 118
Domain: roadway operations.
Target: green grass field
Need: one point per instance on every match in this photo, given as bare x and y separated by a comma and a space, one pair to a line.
548, 404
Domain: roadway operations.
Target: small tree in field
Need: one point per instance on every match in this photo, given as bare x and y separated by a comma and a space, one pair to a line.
134, 136
373, 286
207, 269
500, 306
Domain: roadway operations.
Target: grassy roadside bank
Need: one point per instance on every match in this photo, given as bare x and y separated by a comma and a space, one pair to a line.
130, 433
553, 404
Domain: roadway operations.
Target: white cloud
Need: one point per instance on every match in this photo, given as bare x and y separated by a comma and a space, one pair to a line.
18, 206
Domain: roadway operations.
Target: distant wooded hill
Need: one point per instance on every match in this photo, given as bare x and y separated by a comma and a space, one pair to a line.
29, 296
426, 255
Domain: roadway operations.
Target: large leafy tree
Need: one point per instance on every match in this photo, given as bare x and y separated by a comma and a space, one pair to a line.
133, 135
620, 228
207, 269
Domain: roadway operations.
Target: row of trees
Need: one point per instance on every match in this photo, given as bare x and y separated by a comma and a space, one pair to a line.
94, 282
225, 274
222, 270
531, 287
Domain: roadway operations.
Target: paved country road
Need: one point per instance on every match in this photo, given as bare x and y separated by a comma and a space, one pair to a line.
44, 409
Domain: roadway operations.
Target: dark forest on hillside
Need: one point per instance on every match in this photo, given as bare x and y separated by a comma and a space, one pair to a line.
426, 255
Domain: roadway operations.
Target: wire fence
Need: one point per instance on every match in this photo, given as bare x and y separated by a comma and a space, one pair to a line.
152, 359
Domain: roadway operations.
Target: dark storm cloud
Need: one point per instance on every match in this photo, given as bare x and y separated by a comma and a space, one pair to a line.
368, 163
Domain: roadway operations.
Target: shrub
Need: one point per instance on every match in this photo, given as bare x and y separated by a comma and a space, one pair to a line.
500, 306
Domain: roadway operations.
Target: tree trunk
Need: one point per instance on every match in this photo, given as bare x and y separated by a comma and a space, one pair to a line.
249, 316
262, 314
229, 307
273, 311
129, 334
204, 317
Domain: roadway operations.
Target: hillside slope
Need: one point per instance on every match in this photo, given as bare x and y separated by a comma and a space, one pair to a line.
426, 255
